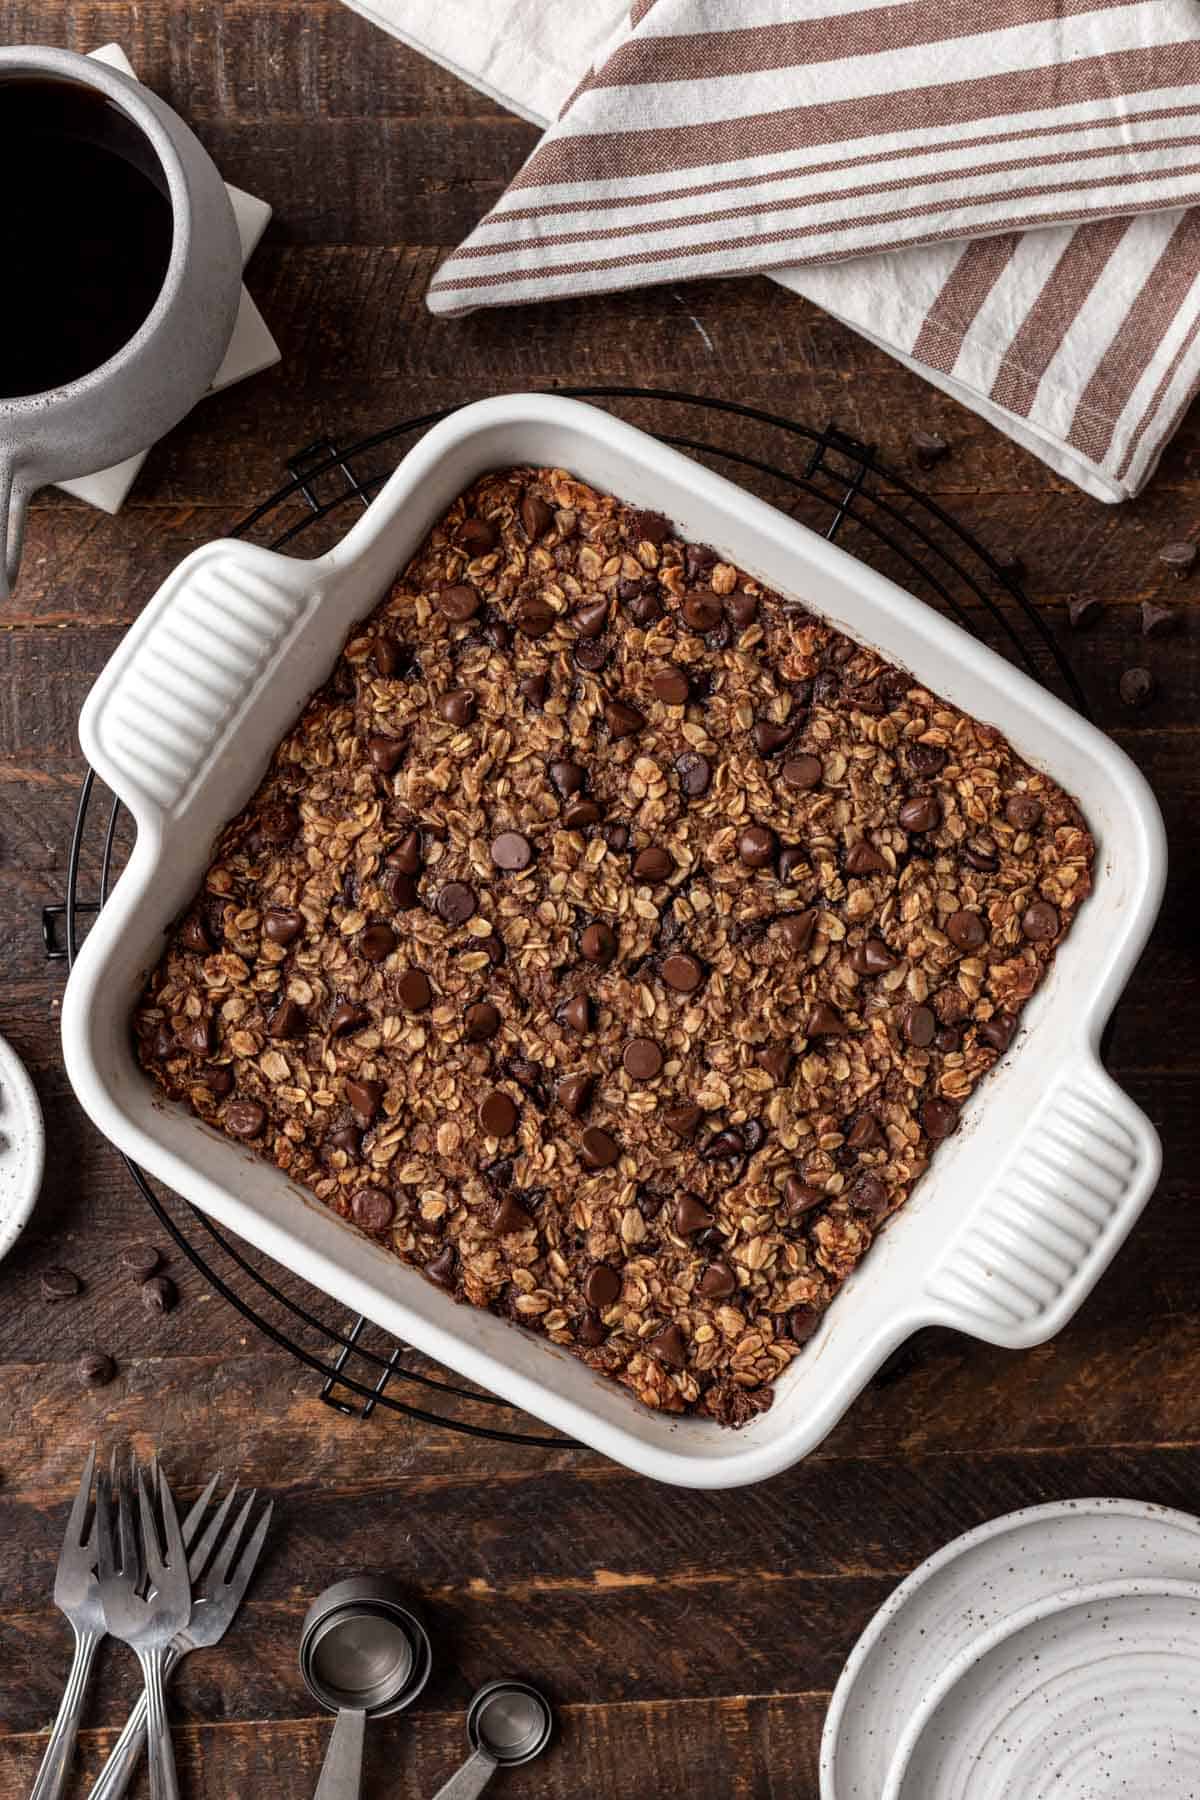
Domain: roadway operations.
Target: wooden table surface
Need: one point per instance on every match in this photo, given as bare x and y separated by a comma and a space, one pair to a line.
691, 1641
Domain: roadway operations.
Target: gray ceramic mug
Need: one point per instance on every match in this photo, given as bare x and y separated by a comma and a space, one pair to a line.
153, 380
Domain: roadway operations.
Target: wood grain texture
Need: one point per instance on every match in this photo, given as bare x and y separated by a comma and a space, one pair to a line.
690, 1641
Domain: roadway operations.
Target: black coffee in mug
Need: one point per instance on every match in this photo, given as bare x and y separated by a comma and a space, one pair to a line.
85, 232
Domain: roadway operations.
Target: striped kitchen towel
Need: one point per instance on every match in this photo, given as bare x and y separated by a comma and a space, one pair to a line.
996, 191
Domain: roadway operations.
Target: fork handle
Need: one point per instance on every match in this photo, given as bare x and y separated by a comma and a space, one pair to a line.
56, 1764
164, 1783
123, 1758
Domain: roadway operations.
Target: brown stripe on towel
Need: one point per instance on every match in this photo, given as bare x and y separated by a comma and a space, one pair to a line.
1052, 314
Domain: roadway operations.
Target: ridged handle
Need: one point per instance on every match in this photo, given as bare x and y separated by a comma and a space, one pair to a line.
1059, 1208
175, 693
53, 1775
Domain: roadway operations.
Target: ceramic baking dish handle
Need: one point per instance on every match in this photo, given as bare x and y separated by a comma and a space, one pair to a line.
1062, 1203
171, 701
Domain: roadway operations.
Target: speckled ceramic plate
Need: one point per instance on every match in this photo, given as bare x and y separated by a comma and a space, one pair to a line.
22, 1147
971, 1586
1093, 1696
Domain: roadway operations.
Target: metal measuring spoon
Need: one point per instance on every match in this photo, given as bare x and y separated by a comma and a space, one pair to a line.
508, 1723
362, 1655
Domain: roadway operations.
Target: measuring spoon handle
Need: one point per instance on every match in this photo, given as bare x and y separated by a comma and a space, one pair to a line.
341, 1772
471, 1779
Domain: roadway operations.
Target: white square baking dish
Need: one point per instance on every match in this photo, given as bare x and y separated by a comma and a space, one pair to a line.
1021, 1210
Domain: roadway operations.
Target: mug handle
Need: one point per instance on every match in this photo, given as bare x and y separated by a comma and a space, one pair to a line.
14, 502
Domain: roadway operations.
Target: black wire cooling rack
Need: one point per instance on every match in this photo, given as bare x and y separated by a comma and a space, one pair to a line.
828, 480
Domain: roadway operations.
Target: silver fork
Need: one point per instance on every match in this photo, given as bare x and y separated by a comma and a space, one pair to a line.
77, 1595
147, 1624
217, 1592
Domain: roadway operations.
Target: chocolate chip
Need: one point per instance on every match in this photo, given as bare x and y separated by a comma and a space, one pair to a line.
413, 990
966, 930
691, 1214
535, 617
698, 562
803, 772
158, 1295
1083, 610
948, 1040
695, 773
591, 1330
801, 1197
642, 1059
481, 1021
623, 721
347, 1138
390, 656
575, 1094
601, 1286
1040, 922
140, 1259
863, 859
536, 516
218, 1080
346, 1017
456, 903
918, 1025
193, 935
458, 603
796, 929
702, 611
617, 837
979, 856
1023, 811
441, 1270
477, 536
653, 864
717, 1281
742, 608
510, 1216
997, 1032
597, 1149
498, 1114
940, 1118
1178, 556
826, 688
925, 760
775, 1061
95, 1369
579, 814
577, 1015
287, 1021
364, 1098
922, 813
498, 635
457, 707
58, 1283
245, 1118
771, 737
197, 1037
868, 1195
590, 619
493, 948
669, 1347
683, 1120
372, 1208
651, 527
598, 943
283, 926
929, 448
568, 777
386, 753
872, 957
865, 1134
803, 1323
1136, 687
376, 942
672, 687
723, 1146
646, 608
683, 972
756, 846
533, 688
512, 851
825, 1021
1158, 620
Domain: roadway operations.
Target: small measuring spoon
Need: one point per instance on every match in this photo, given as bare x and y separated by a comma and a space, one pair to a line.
362, 1655
508, 1723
